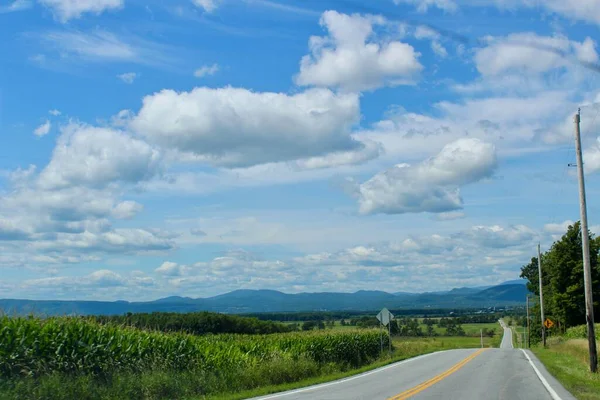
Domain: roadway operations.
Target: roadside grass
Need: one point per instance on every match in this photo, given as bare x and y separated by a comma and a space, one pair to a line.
519, 337
404, 348
568, 361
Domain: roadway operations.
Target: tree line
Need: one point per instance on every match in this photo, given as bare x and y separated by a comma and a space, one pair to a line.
197, 323
562, 282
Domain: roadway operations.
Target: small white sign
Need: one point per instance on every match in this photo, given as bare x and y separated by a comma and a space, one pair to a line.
385, 316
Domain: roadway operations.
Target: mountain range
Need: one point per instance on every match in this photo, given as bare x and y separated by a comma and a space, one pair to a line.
256, 301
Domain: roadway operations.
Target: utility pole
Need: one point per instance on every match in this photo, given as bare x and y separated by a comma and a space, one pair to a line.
481, 333
587, 275
541, 295
528, 334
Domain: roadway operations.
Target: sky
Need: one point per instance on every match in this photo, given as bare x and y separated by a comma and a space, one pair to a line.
194, 147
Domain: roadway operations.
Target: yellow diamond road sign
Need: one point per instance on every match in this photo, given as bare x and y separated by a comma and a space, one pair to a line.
548, 323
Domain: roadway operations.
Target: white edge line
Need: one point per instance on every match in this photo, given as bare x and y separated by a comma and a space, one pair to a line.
322, 385
554, 395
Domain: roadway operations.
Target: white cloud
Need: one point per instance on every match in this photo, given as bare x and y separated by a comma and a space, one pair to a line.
16, 5
207, 5
127, 209
65, 10
424, 5
414, 262
529, 53
127, 77
432, 185
236, 127
439, 50
101, 46
591, 158
450, 216
206, 70
120, 241
96, 157
370, 151
499, 237
169, 268
558, 228
585, 10
43, 129
101, 278
54, 112
353, 58
9, 230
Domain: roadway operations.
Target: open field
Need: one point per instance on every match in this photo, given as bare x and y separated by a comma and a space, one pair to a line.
470, 329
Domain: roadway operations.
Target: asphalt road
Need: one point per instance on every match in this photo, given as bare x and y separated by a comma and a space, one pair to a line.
507, 338
467, 374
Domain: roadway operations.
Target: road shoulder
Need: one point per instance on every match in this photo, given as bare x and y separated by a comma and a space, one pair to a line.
555, 385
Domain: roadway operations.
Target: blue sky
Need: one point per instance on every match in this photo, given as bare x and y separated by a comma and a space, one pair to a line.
195, 147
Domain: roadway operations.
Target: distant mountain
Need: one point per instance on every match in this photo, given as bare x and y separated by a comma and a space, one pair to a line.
508, 293
254, 301
514, 282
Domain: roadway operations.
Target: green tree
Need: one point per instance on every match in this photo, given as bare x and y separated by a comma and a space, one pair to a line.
562, 278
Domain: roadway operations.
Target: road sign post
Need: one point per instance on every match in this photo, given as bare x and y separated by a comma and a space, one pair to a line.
385, 317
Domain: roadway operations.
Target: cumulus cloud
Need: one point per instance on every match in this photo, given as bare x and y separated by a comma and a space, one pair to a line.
431, 261
65, 10
432, 185
95, 157
558, 228
370, 150
54, 112
169, 268
206, 70
496, 236
585, 10
529, 53
120, 241
128, 77
351, 57
43, 129
514, 124
126, 209
9, 230
236, 127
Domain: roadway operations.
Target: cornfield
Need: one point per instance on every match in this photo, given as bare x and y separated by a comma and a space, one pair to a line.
32, 347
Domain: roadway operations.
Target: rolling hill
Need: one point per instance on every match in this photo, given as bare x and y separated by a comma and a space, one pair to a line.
253, 301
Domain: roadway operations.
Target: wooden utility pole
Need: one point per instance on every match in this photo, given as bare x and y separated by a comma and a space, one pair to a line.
587, 275
541, 296
528, 335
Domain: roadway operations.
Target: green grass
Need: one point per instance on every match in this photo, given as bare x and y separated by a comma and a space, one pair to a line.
568, 361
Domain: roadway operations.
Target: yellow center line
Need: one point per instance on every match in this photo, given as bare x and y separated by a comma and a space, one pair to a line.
422, 386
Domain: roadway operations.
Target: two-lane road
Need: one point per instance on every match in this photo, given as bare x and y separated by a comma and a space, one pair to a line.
507, 338
505, 373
